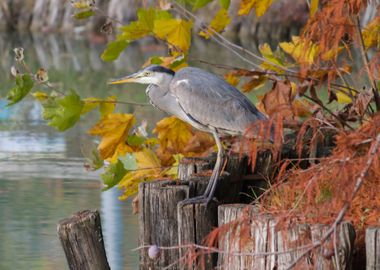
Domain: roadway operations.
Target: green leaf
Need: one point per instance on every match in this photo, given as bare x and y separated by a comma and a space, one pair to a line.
144, 24
23, 86
197, 4
135, 140
84, 14
114, 49
63, 113
129, 162
93, 161
225, 3
113, 174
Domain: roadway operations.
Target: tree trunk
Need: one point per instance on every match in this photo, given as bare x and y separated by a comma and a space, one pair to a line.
82, 240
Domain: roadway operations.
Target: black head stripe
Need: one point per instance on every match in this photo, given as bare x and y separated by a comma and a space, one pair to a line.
156, 68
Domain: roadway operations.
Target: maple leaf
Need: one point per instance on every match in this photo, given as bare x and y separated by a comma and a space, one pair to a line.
24, 84
218, 23
62, 113
256, 82
271, 57
201, 144
114, 49
177, 32
371, 33
113, 128
302, 52
232, 78
106, 106
120, 150
40, 96
173, 134
113, 174
144, 25
174, 62
260, 6
278, 99
148, 168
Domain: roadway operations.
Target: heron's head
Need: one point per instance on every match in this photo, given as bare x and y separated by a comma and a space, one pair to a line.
153, 74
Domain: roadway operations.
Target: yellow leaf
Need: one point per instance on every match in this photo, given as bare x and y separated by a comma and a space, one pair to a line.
121, 149
90, 104
175, 31
302, 52
148, 168
107, 106
144, 24
173, 171
173, 134
231, 78
218, 23
371, 33
260, 6
331, 54
174, 62
113, 128
313, 7
40, 96
268, 54
254, 83
343, 98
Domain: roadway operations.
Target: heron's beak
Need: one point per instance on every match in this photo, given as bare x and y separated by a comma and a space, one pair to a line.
126, 79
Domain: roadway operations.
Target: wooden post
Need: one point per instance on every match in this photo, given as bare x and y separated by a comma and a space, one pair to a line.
372, 246
195, 222
230, 243
189, 166
325, 255
263, 236
82, 240
158, 221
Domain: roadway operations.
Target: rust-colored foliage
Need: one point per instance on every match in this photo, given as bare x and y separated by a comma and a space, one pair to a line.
333, 25
319, 192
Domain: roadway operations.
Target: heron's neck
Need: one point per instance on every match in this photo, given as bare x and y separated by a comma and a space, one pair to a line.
161, 85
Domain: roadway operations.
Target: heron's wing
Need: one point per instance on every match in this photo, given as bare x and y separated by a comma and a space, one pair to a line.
213, 102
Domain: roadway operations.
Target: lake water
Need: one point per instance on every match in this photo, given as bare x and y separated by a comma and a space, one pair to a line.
42, 178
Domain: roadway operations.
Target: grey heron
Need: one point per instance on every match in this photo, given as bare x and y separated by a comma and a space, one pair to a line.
202, 99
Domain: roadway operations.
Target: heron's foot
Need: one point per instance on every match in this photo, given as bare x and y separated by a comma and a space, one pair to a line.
198, 199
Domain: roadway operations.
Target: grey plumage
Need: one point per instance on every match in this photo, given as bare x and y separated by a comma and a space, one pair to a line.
202, 99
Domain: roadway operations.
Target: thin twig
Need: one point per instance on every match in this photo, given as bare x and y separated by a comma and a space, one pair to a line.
118, 102
366, 63
216, 250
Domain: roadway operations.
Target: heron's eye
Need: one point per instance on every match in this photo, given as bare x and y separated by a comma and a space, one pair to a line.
147, 73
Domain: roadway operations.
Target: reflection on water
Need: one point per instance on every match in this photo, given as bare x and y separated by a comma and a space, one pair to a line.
42, 179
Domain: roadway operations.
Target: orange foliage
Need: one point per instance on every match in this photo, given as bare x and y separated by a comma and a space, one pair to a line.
319, 192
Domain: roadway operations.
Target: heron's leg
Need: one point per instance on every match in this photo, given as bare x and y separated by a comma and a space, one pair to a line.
211, 186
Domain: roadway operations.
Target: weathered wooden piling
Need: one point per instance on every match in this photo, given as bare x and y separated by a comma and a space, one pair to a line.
164, 222
260, 234
82, 240
372, 246
158, 220
195, 222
